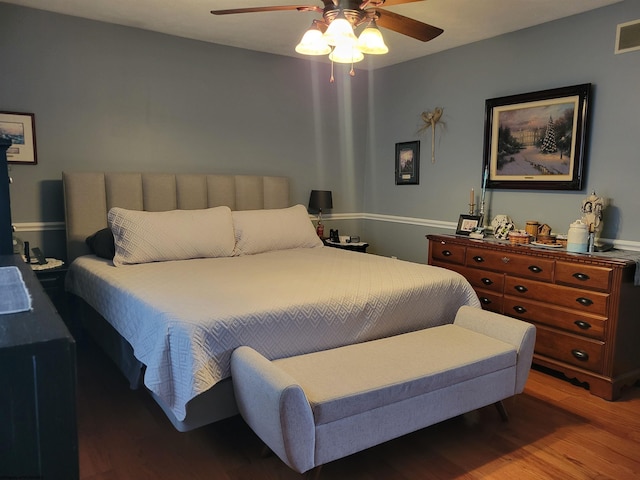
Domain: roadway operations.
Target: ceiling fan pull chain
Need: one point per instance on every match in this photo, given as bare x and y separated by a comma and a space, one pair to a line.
352, 72
332, 80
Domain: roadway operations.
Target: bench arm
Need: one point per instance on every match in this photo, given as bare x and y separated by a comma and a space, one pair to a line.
275, 407
521, 335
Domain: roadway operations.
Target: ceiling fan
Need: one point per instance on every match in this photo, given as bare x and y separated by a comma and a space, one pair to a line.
357, 12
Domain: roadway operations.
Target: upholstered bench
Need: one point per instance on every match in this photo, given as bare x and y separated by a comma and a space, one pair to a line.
315, 408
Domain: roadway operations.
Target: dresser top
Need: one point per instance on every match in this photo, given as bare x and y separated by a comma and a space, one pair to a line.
39, 325
611, 258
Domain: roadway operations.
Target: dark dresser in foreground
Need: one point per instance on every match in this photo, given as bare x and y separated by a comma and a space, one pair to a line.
38, 435
585, 307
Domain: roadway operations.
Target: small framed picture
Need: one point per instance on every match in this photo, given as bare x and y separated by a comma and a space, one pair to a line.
20, 129
468, 223
407, 163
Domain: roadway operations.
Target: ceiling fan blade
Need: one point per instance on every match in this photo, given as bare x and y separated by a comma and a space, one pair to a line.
266, 9
391, 3
407, 26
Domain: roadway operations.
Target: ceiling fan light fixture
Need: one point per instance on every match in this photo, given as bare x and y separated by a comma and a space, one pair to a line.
371, 42
313, 42
340, 32
346, 54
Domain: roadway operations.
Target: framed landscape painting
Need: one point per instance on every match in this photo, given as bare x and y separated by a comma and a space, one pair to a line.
408, 163
20, 129
537, 140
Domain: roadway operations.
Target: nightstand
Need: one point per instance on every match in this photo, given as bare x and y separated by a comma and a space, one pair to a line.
52, 281
354, 246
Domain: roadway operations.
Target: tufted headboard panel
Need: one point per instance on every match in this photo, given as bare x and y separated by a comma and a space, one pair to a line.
88, 196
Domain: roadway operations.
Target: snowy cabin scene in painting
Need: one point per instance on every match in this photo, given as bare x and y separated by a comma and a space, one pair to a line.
536, 140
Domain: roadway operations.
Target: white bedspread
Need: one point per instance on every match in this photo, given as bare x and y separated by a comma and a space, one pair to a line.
184, 318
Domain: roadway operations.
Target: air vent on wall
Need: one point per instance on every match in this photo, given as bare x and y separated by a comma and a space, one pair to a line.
628, 37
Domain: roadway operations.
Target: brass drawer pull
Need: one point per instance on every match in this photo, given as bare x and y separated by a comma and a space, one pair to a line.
580, 355
478, 259
585, 302
505, 259
581, 276
582, 324
521, 288
486, 281
485, 300
520, 309
446, 253
535, 269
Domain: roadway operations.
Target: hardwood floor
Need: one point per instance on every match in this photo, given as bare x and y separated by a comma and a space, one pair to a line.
556, 431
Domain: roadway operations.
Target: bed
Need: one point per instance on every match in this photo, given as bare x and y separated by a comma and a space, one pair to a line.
202, 264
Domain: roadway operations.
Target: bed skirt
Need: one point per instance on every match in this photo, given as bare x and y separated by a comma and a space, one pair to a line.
215, 404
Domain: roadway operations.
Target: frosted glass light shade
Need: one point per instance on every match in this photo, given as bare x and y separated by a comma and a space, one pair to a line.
340, 32
313, 43
346, 54
371, 41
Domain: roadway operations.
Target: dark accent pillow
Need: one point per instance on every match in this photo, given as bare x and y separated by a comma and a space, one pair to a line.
101, 244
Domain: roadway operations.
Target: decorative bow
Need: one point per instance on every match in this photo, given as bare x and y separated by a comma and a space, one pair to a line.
430, 119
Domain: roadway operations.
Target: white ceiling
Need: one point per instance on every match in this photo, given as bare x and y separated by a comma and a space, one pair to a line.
463, 21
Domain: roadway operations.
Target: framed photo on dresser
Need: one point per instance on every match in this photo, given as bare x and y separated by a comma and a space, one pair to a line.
468, 223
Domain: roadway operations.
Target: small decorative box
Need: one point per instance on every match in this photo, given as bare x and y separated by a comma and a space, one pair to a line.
518, 237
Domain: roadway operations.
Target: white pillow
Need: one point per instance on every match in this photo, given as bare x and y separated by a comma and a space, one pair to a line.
260, 231
142, 237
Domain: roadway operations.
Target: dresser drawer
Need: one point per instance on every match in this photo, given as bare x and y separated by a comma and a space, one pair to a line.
490, 300
568, 348
486, 280
521, 265
563, 318
447, 252
483, 279
583, 276
595, 303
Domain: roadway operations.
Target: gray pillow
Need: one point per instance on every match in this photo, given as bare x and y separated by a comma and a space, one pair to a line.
101, 244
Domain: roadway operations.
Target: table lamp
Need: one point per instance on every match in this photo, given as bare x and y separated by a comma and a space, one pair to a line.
320, 200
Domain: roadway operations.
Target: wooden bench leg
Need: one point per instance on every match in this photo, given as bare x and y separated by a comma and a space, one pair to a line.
314, 473
265, 451
502, 411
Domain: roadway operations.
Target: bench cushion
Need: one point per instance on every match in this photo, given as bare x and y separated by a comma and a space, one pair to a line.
349, 380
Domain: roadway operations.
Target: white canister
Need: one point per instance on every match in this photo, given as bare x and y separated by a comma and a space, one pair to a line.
577, 237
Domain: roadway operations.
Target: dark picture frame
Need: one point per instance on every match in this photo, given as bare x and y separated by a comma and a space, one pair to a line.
21, 130
468, 223
408, 163
537, 140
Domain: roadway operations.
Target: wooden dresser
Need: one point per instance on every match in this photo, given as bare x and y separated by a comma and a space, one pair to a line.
585, 307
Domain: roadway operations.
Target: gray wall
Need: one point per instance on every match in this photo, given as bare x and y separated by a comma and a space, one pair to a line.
115, 98
570, 51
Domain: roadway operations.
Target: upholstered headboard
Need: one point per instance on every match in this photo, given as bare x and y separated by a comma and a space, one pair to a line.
88, 196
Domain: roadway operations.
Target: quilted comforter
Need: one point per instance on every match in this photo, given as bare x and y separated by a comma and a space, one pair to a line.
184, 318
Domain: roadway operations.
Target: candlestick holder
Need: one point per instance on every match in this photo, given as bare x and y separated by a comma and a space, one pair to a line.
472, 208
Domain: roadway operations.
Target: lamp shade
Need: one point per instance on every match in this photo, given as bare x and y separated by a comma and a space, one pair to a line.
320, 200
340, 32
346, 54
313, 43
371, 41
